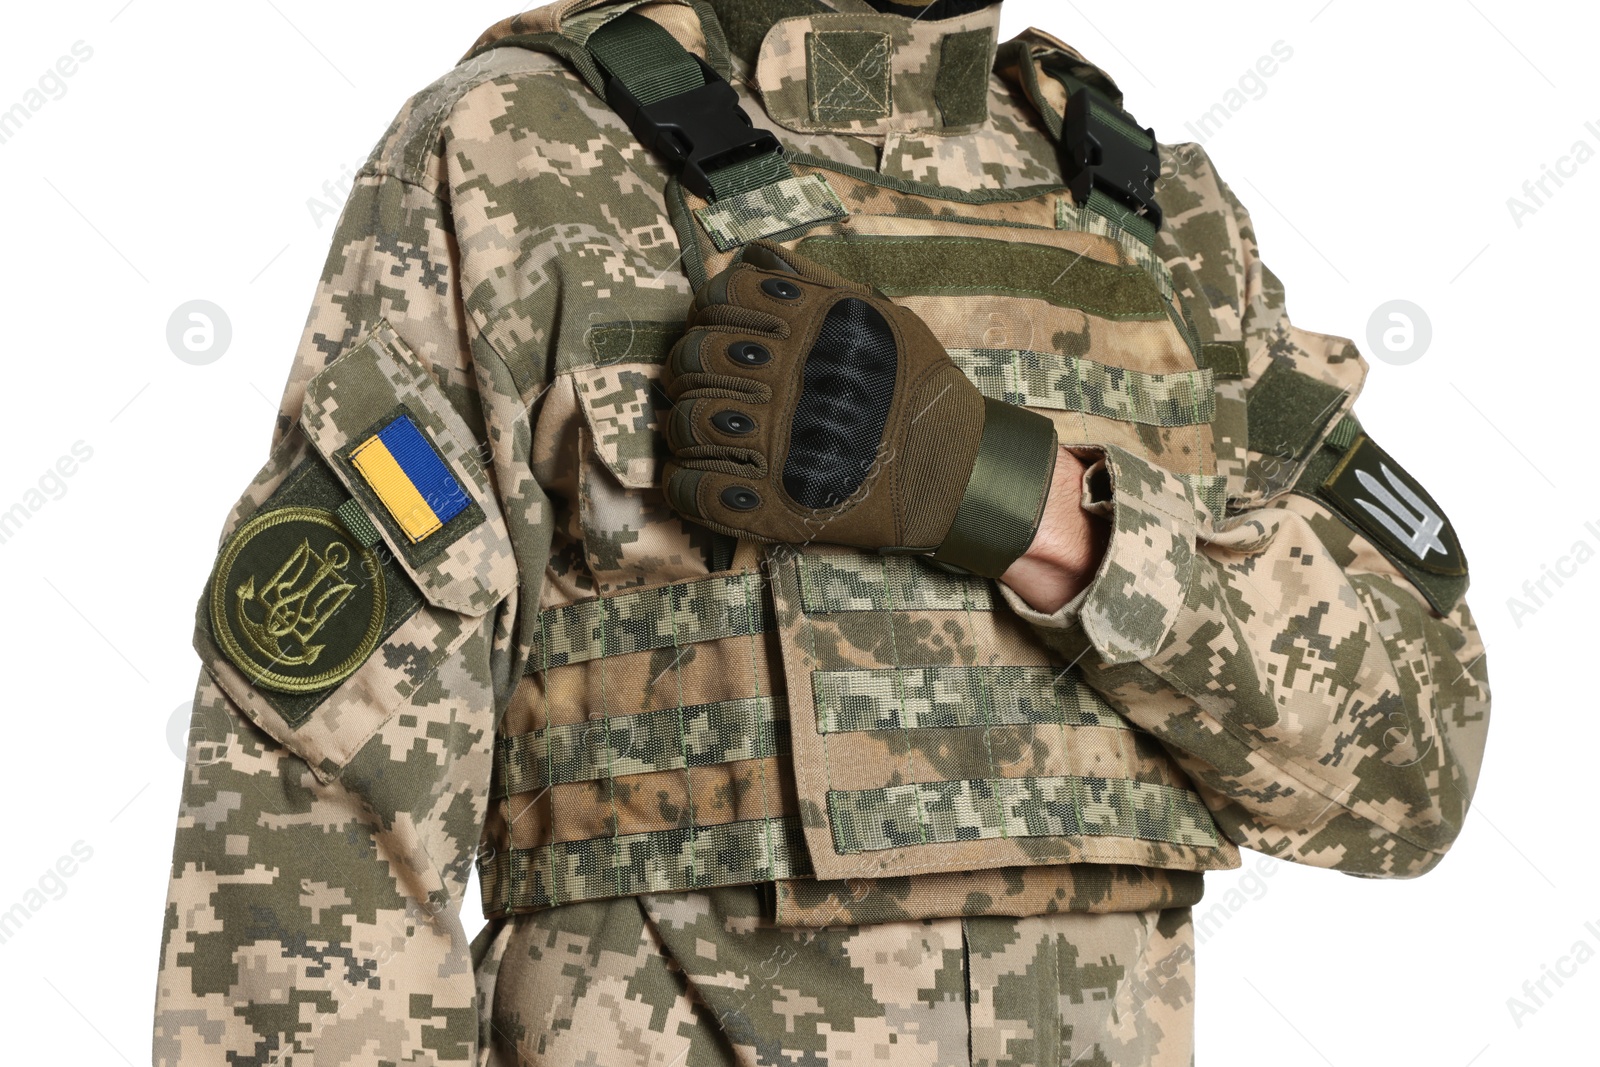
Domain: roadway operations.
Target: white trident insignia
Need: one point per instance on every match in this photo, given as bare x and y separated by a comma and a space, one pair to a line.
1425, 523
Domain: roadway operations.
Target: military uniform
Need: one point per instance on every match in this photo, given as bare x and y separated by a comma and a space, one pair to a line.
735, 803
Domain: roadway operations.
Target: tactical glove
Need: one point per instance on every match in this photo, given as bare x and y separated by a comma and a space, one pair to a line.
808, 407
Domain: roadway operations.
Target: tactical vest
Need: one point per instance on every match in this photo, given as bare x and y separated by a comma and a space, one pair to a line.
817, 717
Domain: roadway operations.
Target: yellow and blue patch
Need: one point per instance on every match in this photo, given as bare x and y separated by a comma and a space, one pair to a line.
401, 467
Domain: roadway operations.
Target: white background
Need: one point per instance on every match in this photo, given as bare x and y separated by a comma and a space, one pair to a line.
183, 161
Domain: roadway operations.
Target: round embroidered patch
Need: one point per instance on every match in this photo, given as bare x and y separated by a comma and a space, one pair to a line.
296, 603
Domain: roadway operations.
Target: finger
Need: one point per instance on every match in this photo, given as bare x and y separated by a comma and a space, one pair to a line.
775, 259
727, 423
730, 502
712, 362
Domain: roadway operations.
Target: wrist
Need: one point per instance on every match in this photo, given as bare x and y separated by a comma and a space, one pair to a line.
1068, 547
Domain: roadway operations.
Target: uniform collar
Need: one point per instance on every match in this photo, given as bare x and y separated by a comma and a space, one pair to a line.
857, 70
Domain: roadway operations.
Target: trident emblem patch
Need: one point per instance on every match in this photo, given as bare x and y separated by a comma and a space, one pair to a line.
1375, 494
297, 604
1413, 523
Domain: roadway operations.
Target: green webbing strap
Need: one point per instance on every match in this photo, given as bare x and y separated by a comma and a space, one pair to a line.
355, 520
752, 174
646, 58
652, 66
1125, 218
999, 513
1110, 117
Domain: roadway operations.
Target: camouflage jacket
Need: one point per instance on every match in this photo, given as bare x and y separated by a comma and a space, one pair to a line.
457, 549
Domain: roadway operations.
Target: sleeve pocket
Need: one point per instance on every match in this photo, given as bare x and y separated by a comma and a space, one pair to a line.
367, 551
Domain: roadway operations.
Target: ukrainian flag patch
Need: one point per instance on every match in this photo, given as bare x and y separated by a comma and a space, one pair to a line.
409, 477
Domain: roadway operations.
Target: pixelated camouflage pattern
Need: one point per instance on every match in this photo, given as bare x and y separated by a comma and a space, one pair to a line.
1095, 888
672, 739
504, 221
1348, 727
803, 200
1034, 379
707, 978
923, 787
474, 570
687, 613
923, 698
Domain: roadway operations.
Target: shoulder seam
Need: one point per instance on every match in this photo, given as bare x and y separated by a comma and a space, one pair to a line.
417, 134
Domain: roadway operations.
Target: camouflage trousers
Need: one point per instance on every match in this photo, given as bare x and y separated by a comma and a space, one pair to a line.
703, 979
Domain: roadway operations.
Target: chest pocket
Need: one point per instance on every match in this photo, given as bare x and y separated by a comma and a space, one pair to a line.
367, 552
629, 535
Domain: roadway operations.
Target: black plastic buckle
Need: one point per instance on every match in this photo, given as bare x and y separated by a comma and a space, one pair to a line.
1098, 156
700, 131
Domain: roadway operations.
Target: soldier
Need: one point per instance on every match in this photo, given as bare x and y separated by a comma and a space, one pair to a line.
867, 672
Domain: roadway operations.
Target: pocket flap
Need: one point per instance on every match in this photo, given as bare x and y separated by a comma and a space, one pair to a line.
394, 440
623, 404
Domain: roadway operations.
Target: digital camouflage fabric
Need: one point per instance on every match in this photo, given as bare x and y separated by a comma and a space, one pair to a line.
809, 805
1115, 990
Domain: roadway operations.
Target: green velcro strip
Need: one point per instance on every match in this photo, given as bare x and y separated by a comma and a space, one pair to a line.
911, 266
834, 583
974, 809
848, 75
674, 739
1286, 411
355, 520
669, 616
631, 342
999, 513
961, 88
1227, 360
663, 861
934, 698
746, 22
788, 204
1068, 383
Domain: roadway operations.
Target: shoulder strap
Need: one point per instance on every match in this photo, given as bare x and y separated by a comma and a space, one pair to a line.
683, 110
1110, 162
673, 101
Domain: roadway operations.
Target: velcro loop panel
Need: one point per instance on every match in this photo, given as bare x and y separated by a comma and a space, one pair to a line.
1287, 411
936, 266
1227, 360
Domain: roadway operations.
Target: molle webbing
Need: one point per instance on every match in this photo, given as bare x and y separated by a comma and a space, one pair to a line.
697, 788
669, 616
1066, 383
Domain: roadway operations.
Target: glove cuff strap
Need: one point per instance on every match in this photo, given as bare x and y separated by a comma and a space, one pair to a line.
1004, 500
